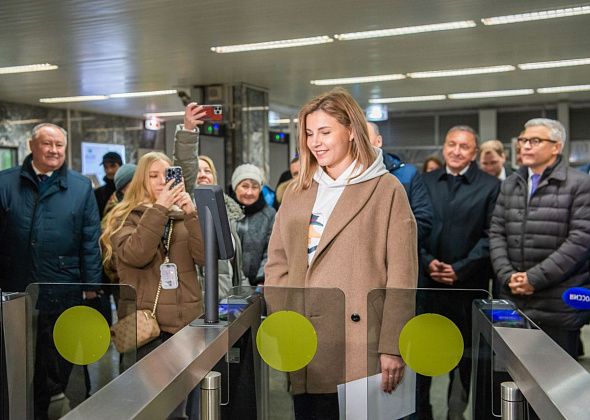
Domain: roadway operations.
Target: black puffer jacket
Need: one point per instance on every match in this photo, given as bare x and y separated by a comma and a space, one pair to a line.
254, 231
547, 237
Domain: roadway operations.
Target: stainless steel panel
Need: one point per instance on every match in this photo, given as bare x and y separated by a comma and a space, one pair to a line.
14, 323
555, 385
159, 382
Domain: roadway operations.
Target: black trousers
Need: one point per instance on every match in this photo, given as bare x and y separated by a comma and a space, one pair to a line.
316, 406
569, 340
52, 372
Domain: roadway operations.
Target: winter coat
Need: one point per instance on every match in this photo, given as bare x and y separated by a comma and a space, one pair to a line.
254, 231
547, 237
463, 207
369, 242
417, 194
48, 231
140, 251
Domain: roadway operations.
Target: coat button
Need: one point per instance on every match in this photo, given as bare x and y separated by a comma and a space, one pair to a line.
355, 317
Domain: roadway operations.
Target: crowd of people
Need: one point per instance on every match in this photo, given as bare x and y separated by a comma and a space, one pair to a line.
351, 216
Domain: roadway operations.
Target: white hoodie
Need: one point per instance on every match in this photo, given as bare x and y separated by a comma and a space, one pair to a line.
329, 192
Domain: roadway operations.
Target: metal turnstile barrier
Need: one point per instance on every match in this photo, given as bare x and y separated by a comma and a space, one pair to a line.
15, 351
554, 384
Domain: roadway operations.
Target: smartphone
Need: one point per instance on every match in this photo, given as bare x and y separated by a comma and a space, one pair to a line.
213, 112
175, 173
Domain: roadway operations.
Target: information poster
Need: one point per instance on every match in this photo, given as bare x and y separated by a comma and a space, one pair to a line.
92, 154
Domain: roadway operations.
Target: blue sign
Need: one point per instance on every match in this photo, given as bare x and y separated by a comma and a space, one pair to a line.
577, 297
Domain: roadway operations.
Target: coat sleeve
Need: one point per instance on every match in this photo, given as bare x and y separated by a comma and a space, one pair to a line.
276, 270
421, 207
260, 273
90, 248
136, 243
186, 146
560, 264
480, 253
402, 273
498, 241
196, 244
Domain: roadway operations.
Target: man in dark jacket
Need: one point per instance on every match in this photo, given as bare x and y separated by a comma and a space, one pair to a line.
411, 180
456, 255
49, 229
111, 162
540, 234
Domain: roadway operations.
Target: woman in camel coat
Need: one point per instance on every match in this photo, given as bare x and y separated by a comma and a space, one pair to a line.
344, 224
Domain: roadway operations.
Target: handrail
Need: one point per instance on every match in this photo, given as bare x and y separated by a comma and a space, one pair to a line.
158, 383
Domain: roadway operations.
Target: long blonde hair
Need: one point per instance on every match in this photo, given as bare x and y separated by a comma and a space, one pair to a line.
339, 104
139, 192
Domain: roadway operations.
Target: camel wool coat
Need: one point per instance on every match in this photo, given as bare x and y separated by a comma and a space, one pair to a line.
140, 251
369, 242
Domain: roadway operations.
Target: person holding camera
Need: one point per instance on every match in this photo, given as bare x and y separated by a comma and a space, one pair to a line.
155, 237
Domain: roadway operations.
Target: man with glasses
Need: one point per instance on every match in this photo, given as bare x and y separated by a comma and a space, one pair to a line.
540, 234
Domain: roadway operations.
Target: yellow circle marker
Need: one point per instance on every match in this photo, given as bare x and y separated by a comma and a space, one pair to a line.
81, 335
431, 344
286, 341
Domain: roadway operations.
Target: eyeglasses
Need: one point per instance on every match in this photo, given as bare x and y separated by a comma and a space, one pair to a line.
533, 141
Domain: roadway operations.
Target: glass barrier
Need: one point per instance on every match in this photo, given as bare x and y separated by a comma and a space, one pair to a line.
79, 338
304, 352
420, 356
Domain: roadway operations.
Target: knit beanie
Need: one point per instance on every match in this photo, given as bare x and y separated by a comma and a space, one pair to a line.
245, 171
124, 175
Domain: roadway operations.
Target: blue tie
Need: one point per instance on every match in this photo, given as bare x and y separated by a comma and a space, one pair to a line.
534, 182
42, 177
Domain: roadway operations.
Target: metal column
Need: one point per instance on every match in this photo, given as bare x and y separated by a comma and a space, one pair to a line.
513, 404
210, 396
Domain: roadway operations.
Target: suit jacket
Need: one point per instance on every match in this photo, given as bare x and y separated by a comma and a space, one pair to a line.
370, 241
462, 214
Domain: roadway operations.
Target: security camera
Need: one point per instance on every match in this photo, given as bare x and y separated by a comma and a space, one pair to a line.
184, 97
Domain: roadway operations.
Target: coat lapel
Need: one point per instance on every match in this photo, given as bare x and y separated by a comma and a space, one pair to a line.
302, 208
352, 200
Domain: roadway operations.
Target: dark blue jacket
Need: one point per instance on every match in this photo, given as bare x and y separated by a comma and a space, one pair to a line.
463, 207
48, 231
417, 194
585, 168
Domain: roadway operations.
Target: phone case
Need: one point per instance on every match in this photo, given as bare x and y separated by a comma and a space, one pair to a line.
174, 172
214, 112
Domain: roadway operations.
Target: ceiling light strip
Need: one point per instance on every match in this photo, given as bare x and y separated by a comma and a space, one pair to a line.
424, 98
164, 114
361, 79
28, 68
564, 89
406, 30
73, 99
273, 44
143, 94
554, 64
461, 72
491, 94
545, 14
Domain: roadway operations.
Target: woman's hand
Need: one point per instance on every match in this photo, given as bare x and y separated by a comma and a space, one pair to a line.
392, 371
185, 202
170, 196
193, 116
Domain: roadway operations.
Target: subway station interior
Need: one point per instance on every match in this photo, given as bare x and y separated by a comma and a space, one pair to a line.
119, 76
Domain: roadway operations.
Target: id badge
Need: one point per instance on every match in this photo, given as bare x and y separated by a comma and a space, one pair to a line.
169, 276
